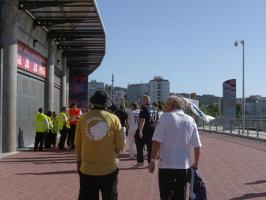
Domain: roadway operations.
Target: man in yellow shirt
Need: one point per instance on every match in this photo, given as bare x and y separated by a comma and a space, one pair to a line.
98, 140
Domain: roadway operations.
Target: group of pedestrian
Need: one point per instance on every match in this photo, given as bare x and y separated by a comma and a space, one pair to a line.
100, 137
48, 125
130, 120
68, 120
45, 126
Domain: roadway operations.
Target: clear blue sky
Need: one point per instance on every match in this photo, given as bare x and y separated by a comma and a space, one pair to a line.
188, 42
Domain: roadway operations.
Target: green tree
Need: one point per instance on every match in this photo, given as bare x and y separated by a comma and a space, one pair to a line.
238, 110
204, 108
213, 110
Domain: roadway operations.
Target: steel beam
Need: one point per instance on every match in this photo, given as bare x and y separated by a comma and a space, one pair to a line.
28, 5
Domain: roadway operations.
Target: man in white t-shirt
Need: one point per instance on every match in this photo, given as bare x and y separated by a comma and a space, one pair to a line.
133, 121
176, 137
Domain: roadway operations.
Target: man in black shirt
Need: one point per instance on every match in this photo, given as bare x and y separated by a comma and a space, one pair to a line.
148, 118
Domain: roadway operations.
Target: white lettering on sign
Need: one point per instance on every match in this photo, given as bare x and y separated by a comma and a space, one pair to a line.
30, 60
35, 67
27, 64
19, 60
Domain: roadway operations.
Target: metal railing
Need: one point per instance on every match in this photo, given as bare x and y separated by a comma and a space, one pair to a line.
253, 128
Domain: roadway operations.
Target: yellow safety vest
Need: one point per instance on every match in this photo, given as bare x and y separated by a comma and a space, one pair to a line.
50, 122
40, 122
62, 121
55, 126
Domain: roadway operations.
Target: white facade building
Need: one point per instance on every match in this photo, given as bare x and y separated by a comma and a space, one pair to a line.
136, 91
93, 86
256, 106
159, 89
117, 97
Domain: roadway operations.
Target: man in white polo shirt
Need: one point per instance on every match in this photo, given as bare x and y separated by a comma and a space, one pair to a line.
176, 137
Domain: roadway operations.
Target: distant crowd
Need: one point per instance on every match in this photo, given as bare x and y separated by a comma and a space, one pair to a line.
49, 125
157, 131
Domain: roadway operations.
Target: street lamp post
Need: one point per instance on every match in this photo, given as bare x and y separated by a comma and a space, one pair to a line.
243, 86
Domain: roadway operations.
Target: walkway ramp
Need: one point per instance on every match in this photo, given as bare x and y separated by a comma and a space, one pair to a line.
233, 169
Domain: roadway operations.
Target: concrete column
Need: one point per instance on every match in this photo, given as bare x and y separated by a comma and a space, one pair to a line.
67, 86
50, 75
9, 140
1, 71
63, 84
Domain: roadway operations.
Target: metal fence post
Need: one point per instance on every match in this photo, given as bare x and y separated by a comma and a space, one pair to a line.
239, 127
223, 126
247, 127
257, 125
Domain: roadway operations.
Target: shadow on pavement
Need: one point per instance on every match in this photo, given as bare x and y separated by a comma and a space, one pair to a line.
250, 196
256, 182
37, 160
132, 168
51, 173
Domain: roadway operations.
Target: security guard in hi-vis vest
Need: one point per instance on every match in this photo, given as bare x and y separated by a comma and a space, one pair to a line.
49, 135
63, 127
41, 126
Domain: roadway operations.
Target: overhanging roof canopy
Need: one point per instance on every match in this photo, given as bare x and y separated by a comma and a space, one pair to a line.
76, 27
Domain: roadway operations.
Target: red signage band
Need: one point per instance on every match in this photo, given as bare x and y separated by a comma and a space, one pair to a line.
31, 61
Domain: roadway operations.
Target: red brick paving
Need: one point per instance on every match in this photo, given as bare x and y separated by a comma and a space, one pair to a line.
233, 169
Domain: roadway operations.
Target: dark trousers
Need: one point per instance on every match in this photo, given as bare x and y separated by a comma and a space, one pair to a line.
54, 138
39, 140
91, 185
140, 142
63, 132
71, 136
48, 139
173, 184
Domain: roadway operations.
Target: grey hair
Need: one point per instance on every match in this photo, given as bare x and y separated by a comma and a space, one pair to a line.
177, 102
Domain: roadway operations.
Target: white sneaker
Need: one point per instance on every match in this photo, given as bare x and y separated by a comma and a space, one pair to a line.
132, 157
139, 164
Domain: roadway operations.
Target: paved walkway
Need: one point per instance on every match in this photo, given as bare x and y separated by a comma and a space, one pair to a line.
251, 134
233, 169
